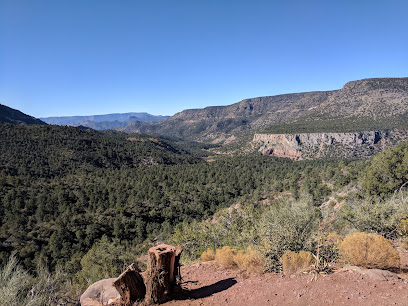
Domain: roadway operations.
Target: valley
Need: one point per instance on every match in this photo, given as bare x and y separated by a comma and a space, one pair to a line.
262, 177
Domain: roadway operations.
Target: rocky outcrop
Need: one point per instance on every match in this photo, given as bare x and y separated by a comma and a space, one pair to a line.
315, 145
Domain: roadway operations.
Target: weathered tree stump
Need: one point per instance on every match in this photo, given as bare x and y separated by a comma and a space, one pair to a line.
130, 285
162, 273
158, 282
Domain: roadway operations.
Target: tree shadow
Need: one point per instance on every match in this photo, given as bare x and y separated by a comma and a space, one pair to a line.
206, 291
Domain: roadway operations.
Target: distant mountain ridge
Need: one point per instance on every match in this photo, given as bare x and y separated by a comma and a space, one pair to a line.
13, 116
104, 122
377, 102
114, 125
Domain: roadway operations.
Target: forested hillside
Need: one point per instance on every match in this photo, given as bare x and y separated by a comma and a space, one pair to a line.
14, 116
62, 189
49, 151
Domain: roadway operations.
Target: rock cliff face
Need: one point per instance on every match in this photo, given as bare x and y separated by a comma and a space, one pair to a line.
315, 145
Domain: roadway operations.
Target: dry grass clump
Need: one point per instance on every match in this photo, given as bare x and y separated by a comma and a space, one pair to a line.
225, 257
207, 255
252, 261
293, 262
403, 226
369, 251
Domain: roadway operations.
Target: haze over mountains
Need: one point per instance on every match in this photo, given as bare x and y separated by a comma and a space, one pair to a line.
104, 122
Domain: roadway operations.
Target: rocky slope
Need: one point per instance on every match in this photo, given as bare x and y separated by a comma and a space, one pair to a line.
315, 145
376, 102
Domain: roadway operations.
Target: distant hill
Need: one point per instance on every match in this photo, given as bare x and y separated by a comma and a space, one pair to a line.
49, 151
360, 105
104, 122
13, 116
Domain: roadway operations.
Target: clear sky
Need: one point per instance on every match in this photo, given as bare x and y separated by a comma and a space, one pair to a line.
84, 57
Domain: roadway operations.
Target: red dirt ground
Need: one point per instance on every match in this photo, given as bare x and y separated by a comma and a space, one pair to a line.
208, 284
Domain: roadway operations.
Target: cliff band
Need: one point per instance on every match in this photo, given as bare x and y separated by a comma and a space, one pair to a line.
330, 145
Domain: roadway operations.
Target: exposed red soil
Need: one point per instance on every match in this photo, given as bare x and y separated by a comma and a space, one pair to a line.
208, 284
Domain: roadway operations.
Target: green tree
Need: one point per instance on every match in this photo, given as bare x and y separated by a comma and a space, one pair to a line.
387, 171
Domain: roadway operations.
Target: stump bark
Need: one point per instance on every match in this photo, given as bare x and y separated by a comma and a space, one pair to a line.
162, 273
130, 285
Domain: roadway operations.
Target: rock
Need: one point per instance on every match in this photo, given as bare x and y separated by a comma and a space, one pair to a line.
100, 293
377, 274
114, 301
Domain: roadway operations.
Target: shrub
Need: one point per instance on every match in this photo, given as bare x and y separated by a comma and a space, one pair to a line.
287, 227
293, 262
208, 255
384, 217
251, 260
369, 251
14, 283
225, 257
232, 227
18, 287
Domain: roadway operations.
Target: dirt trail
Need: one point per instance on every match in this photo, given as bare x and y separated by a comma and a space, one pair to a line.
210, 285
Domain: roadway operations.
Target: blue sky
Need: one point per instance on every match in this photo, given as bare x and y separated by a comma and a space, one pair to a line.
84, 57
